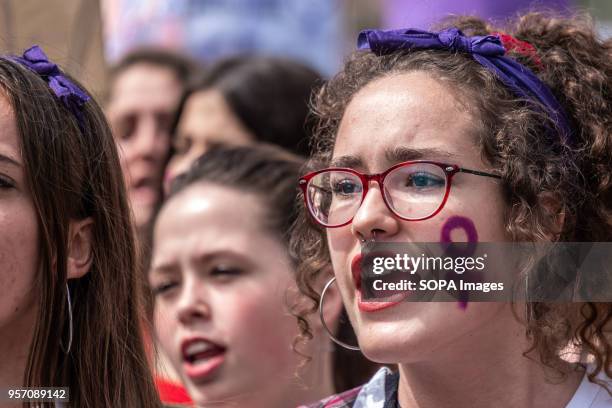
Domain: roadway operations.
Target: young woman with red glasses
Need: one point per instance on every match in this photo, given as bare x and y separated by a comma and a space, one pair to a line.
466, 134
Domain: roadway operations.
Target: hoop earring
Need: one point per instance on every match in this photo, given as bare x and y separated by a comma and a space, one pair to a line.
66, 350
329, 332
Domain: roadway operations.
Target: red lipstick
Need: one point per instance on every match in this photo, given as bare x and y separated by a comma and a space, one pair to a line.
370, 306
201, 358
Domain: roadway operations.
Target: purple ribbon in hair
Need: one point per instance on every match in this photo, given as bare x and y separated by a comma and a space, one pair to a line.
68, 93
487, 50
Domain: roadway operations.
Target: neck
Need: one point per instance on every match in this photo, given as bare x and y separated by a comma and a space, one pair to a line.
314, 380
492, 371
318, 374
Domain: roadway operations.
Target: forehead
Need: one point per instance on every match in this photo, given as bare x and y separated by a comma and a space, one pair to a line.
209, 217
9, 138
412, 110
205, 107
145, 84
208, 118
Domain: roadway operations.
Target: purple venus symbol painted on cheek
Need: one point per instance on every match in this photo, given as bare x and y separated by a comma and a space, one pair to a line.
460, 223
465, 224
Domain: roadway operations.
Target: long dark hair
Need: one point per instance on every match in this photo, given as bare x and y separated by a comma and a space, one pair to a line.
270, 96
74, 173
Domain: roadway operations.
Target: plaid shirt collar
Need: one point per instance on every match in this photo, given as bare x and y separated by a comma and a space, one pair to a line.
379, 392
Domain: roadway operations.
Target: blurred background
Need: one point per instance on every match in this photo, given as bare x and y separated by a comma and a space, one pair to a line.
87, 36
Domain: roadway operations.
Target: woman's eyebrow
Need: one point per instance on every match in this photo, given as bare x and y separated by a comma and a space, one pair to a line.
347, 161
9, 160
401, 154
394, 155
162, 268
212, 256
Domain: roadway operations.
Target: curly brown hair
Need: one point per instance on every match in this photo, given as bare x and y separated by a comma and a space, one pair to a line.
537, 166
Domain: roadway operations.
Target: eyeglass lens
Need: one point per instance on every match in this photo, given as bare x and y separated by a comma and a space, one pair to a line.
413, 191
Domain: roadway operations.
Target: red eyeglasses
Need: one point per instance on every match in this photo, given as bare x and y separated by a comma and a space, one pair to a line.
412, 190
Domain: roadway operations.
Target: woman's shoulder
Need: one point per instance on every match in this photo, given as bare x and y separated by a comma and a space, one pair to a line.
379, 392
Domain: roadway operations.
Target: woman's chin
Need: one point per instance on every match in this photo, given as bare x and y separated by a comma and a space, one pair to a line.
207, 393
385, 350
406, 341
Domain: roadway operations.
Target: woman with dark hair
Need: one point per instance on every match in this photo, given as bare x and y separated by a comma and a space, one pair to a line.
241, 100
519, 122
224, 282
71, 302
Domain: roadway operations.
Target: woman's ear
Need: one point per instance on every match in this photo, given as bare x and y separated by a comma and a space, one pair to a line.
80, 253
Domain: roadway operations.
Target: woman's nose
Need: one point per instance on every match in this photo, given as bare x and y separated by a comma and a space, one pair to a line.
192, 304
374, 218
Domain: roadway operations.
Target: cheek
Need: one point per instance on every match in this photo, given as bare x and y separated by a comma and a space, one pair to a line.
342, 246
480, 220
162, 147
340, 242
259, 329
474, 215
124, 160
165, 328
18, 261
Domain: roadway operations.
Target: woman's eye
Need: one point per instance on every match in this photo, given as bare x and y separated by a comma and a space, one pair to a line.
5, 183
424, 180
124, 127
223, 270
163, 288
345, 187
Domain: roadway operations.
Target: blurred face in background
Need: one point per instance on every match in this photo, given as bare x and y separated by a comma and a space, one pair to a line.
144, 98
220, 280
206, 119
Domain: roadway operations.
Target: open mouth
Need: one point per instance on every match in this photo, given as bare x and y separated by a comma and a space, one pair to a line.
144, 190
369, 299
201, 358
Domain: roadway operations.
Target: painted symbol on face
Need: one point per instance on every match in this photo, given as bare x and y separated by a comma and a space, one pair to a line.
458, 222
460, 249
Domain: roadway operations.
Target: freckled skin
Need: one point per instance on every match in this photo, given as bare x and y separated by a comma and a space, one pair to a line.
18, 248
416, 111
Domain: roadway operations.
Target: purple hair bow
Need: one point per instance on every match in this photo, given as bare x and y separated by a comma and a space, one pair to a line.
69, 94
487, 50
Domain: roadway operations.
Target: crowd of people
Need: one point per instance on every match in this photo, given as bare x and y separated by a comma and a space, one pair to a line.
195, 239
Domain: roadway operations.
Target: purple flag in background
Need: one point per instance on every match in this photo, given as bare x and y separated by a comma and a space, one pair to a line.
419, 13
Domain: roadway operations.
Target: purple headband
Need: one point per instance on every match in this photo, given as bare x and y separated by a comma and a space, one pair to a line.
487, 50
68, 93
